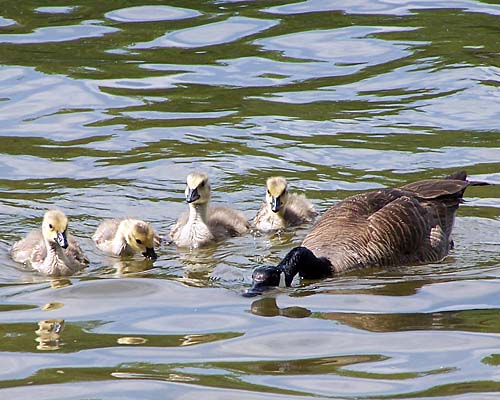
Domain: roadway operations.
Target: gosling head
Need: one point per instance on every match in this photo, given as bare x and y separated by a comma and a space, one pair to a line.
54, 227
277, 193
198, 188
140, 236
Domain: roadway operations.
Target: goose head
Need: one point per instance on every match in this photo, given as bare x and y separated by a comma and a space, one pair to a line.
277, 193
140, 236
299, 260
54, 227
198, 188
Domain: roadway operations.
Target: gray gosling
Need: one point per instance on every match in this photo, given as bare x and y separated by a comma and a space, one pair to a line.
204, 224
51, 250
125, 237
281, 208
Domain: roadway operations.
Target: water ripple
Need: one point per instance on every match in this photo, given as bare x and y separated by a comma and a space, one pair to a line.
382, 7
226, 31
342, 46
59, 34
151, 13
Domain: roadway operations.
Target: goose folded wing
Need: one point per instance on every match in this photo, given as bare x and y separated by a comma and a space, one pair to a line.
407, 230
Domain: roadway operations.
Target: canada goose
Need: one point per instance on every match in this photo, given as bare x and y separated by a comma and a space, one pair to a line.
204, 224
388, 227
51, 250
124, 237
282, 209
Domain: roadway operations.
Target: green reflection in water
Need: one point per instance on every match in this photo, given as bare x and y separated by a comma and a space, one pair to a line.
493, 360
226, 375
481, 320
485, 321
24, 337
452, 389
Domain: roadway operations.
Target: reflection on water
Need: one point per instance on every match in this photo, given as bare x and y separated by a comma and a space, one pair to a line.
105, 107
49, 334
227, 31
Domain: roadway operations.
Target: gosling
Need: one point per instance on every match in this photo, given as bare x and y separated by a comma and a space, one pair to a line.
204, 224
125, 237
51, 250
281, 208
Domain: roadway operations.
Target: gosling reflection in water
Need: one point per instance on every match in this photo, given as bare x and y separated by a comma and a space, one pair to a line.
49, 334
58, 283
267, 307
130, 266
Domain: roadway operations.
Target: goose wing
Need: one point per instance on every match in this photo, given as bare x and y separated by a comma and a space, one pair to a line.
299, 210
438, 188
75, 254
224, 221
381, 228
32, 247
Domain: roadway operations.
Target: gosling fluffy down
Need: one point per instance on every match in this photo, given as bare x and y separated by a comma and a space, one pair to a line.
204, 224
51, 250
125, 237
281, 208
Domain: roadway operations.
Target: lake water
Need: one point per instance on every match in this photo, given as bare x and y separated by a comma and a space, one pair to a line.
105, 107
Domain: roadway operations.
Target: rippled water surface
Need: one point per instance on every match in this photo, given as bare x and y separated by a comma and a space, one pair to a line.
106, 106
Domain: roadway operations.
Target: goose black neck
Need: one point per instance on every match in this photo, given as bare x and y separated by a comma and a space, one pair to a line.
300, 260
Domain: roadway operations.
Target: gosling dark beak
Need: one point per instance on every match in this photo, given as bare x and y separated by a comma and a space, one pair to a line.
192, 195
275, 204
62, 240
150, 253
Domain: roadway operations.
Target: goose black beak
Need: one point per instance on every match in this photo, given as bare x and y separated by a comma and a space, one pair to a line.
192, 195
62, 240
257, 289
150, 253
264, 278
275, 204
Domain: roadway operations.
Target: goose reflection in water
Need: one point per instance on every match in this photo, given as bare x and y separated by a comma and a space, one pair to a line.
267, 307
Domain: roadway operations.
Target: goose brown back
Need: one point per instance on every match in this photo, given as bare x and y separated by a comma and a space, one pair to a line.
388, 227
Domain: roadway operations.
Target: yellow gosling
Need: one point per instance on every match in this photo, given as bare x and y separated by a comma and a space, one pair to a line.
51, 250
281, 208
204, 224
125, 237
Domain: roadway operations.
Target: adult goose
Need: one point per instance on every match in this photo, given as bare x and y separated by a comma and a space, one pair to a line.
125, 237
281, 208
51, 250
407, 225
204, 224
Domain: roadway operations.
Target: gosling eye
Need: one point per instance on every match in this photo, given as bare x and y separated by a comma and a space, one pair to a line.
268, 192
50, 226
138, 241
202, 184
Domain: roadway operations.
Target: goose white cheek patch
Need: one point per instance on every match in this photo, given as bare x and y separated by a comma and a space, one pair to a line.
282, 280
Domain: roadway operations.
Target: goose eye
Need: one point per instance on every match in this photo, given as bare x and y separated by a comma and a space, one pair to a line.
138, 241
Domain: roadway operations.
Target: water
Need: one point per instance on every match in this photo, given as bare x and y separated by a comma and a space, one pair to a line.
105, 107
